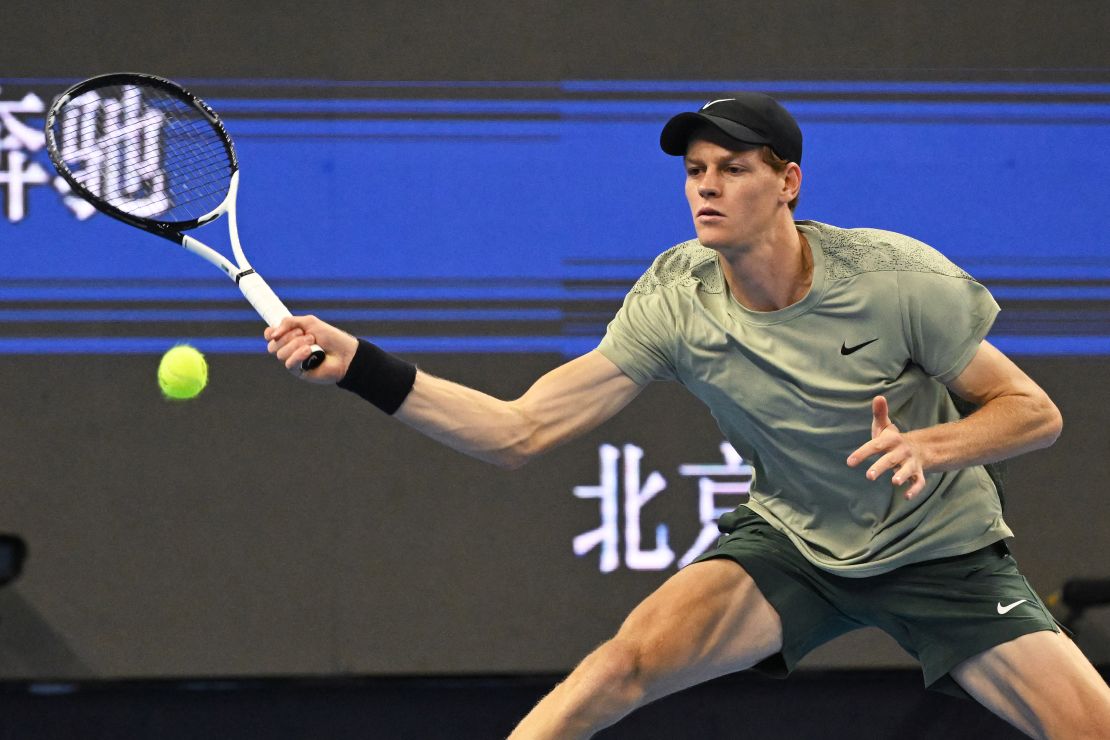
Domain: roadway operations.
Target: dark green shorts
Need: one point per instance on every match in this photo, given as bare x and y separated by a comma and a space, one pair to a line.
941, 612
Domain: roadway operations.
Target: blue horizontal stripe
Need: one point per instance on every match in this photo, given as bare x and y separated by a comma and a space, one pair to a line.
1051, 293
956, 112
1052, 345
227, 106
568, 346
372, 84
309, 296
717, 87
127, 345
630, 269
194, 83
852, 109
641, 86
1020, 270
1000, 112
487, 129
305, 296
246, 314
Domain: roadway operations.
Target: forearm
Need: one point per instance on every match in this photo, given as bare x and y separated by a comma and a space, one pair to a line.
1003, 427
469, 421
564, 403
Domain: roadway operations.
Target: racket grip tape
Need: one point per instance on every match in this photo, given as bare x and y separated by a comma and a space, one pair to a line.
272, 310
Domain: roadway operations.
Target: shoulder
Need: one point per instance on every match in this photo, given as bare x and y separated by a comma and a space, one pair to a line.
850, 252
685, 264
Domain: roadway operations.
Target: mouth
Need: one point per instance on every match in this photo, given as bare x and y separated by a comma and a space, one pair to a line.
707, 212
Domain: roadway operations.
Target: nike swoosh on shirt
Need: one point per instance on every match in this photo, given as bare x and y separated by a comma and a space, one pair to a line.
846, 350
1004, 609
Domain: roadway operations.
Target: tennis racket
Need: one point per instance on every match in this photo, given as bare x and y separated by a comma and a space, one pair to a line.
148, 152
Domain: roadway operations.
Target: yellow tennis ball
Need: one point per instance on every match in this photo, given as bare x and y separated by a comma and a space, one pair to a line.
182, 373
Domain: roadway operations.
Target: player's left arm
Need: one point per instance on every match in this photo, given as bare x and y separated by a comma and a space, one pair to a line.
1015, 415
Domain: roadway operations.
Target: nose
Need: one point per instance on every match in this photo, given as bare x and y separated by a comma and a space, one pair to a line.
709, 185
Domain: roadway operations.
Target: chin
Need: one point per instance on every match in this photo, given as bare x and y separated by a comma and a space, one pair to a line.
714, 240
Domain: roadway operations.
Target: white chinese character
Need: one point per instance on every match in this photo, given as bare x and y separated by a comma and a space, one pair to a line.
17, 139
81, 208
18, 171
605, 535
19, 135
16, 175
635, 497
114, 149
709, 489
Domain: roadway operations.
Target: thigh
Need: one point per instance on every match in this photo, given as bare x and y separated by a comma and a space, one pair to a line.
707, 620
803, 596
1040, 683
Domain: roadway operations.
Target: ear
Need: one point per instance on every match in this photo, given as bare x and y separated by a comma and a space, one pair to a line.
792, 182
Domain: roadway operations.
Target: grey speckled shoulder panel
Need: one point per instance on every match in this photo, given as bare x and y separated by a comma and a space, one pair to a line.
851, 252
687, 263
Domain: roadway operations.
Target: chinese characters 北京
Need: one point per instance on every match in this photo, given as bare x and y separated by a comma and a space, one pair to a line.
621, 489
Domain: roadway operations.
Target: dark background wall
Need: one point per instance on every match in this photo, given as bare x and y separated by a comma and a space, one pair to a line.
273, 529
537, 40
221, 538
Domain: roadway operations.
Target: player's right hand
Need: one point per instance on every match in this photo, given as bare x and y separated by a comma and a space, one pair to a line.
291, 342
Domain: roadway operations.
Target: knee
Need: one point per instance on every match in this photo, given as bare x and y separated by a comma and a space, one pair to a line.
1084, 714
1091, 719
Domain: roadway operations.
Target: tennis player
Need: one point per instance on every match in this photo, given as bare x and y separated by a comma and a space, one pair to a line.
827, 356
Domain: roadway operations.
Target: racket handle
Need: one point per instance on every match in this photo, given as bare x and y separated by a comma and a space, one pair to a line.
314, 359
272, 311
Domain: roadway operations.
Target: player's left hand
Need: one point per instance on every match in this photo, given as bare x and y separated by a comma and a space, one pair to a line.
897, 452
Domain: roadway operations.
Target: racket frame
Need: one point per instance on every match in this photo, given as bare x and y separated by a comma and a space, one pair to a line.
250, 283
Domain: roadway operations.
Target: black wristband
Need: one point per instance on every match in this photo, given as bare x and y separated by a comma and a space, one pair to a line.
381, 378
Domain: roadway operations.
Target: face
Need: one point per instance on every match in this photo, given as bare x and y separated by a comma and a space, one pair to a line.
735, 197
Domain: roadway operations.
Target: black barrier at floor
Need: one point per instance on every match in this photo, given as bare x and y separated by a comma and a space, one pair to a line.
811, 704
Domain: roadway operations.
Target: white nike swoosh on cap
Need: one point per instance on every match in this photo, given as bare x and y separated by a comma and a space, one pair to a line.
1004, 609
714, 102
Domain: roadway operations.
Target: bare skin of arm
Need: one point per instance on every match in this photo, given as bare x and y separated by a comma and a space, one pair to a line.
1015, 416
568, 401
563, 404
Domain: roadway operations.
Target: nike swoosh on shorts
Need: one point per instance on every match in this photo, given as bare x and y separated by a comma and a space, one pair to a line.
1004, 609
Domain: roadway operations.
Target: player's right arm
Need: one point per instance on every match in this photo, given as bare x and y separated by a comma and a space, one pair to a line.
569, 401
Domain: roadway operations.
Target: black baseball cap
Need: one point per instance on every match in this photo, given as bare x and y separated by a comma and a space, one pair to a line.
748, 117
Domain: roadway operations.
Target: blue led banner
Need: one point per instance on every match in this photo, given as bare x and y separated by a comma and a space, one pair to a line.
513, 217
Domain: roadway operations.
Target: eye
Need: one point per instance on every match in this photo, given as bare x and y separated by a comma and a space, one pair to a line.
734, 169
693, 170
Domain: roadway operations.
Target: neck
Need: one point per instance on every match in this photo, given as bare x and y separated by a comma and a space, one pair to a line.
771, 274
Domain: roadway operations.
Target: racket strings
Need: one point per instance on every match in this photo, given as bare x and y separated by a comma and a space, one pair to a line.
145, 151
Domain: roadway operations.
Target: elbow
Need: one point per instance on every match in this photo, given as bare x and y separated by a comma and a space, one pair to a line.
1043, 419
1053, 424
521, 453
510, 459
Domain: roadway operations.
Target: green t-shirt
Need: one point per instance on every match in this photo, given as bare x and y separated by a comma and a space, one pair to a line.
791, 389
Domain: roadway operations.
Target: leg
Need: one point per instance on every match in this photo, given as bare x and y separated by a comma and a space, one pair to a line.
707, 620
1042, 684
